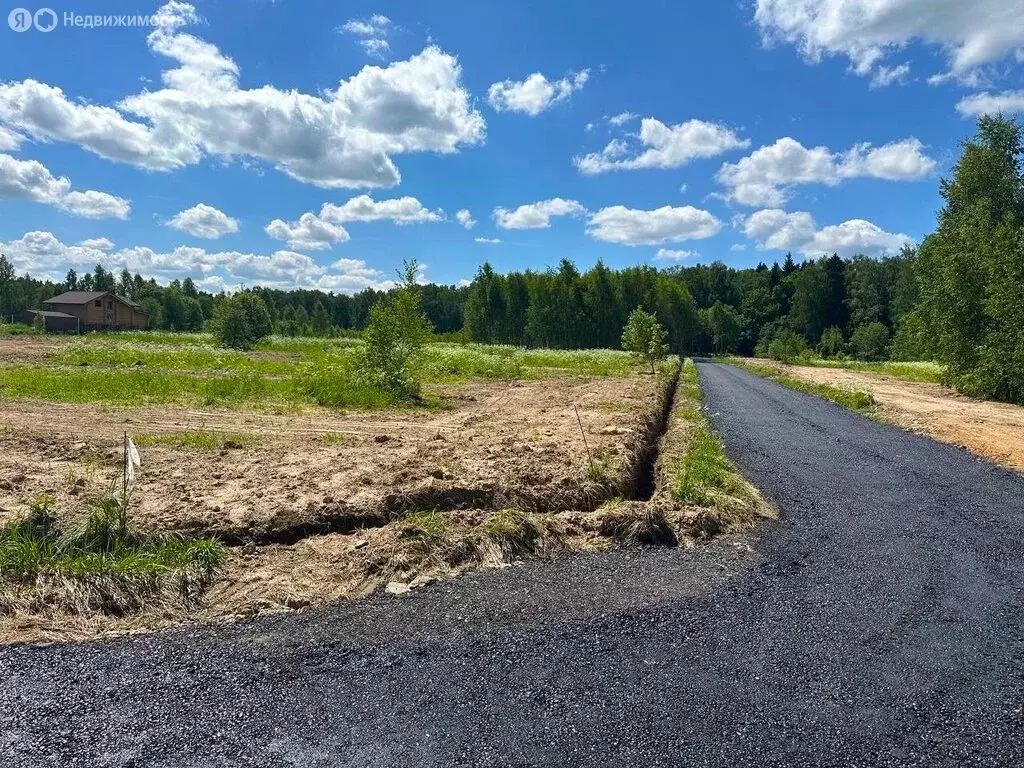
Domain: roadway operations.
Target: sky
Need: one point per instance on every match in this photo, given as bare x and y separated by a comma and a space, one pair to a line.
318, 144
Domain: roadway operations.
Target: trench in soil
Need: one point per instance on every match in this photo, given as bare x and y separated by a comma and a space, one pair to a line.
637, 483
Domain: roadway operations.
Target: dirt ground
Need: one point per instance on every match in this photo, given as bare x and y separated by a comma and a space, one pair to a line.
512, 442
989, 429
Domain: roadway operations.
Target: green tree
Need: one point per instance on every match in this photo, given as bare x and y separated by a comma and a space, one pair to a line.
870, 342
832, 342
644, 337
241, 321
321, 321
724, 325
394, 339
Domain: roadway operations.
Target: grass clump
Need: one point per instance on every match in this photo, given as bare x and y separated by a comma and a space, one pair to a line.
100, 563
514, 532
633, 523
705, 469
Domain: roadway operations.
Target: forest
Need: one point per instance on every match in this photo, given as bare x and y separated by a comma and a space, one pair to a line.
957, 298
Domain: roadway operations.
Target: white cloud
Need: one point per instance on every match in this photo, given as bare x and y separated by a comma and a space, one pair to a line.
375, 47
375, 26
622, 118
774, 229
401, 210
99, 243
628, 226
885, 76
665, 254
534, 94
204, 220
373, 31
9, 141
31, 180
488, 240
737, 247
310, 232
765, 177
465, 218
537, 215
316, 232
991, 103
345, 137
666, 146
44, 255
971, 34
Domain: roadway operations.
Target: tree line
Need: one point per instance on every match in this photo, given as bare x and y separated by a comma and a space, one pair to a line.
957, 299
181, 306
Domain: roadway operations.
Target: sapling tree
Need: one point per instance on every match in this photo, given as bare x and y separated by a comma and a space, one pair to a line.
645, 338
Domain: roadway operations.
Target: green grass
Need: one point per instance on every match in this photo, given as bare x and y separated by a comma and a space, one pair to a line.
910, 371
196, 440
101, 563
168, 358
139, 368
141, 387
854, 400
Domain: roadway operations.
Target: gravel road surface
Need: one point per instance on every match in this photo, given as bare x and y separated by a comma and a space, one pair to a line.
879, 623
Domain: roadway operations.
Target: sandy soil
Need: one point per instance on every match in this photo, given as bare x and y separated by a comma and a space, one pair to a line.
992, 430
515, 442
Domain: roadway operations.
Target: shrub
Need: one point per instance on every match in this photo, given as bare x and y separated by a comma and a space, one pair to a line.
870, 341
832, 343
644, 337
786, 346
241, 321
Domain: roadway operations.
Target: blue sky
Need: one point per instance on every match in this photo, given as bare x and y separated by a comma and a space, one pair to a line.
235, 141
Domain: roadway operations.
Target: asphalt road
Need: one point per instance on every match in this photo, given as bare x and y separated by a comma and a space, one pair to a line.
879, 623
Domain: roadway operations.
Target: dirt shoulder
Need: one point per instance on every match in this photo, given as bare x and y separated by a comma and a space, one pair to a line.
989, 429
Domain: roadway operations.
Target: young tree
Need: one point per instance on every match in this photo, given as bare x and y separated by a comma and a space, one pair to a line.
394, 338
723, 324
832, 342
321, 321
241, 321
644, 337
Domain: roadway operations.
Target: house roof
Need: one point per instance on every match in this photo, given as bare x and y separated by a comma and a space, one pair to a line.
52, 314
84, 297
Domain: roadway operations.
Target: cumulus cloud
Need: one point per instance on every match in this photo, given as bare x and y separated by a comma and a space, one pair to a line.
774, 229
465, 218
666, 254
866, 31
310, 232
43, 255
487, 240
316, 232
885, 76
204, 220
627, 226
31, 180
537, 215
400, 210
345, 137
9, 141
766, 176
991, 103
373, 33
534, 94
662, 146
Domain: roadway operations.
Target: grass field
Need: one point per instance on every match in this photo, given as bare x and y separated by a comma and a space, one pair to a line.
163, 368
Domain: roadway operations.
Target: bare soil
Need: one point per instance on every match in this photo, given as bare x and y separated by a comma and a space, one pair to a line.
989, 429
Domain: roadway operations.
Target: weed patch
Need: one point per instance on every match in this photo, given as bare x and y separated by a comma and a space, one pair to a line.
196, 440
98, 564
